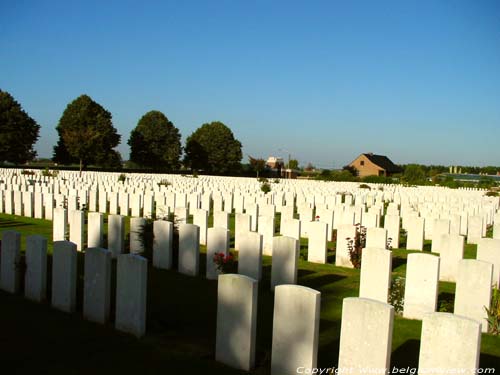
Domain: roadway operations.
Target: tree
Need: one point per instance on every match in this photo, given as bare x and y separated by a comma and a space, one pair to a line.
213, 148
351, 169
414, 174
18, 131
293, 164
86, 132
155, 142
258, 165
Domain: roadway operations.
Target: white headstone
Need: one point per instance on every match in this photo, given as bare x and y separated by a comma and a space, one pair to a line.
473, 290
64, 275
131, 294
35, 279
365, 336
421, 287
218, 242
10, 268
97, 285
449, 344
285, 259
189, 249
250, 255
295, 329
162, 245
236, 321
375, 278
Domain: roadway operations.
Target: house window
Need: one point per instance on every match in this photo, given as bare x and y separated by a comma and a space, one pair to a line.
362, 162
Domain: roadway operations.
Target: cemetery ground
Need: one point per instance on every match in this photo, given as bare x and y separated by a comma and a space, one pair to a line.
181, 317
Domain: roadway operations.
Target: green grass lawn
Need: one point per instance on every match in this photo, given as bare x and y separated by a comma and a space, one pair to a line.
181, 322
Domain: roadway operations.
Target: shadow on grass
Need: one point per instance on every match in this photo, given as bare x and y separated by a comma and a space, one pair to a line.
321, 280
406, 355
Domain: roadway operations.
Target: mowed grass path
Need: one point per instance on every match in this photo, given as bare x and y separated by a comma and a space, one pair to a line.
181, 322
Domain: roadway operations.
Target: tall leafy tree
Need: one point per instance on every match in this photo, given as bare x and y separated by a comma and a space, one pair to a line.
18, 131
258, 165
155, 142
213, 148
86, 133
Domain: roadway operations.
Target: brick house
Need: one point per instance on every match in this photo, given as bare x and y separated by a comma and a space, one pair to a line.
370, 164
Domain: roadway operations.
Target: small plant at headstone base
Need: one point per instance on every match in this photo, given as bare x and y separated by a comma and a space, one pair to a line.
316, 218
397, 294
27, 172
364, 186
265, 187
356, 245
491, 194
262, 179
195, 174
494, 312
446, 303
388, 245
122, 177
224, 262
276, 181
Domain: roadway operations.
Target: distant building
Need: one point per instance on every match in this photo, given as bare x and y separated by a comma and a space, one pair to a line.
370, 164
275, 163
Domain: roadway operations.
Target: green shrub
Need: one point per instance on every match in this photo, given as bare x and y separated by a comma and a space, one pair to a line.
491, 194
397, 294
164, 183
122, 177
494, 313
265, 187
364, 186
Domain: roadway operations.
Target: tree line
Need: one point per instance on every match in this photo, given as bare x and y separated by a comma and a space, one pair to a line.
87, 137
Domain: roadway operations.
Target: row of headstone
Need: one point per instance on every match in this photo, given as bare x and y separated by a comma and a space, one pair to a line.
365, 337
131, 286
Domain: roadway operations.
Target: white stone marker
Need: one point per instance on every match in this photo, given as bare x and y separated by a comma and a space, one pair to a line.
236, 321
35, 279
452, 252
421, 287
415, 239
449, 344
474, 229
250, 255
131, 294
97, 285
365, 336
316, 250
266, 228
218, 242
392, 223
116, 234
496, 230
76, 228
376, 237
64, 274
440, 227
375, 278
253, 211
284, 263
242, 224
291, 228
136, 229
189, 249
221, 219
295, 329
344, 232
181, 215
95, 229
10, 270
162, 245
473, 290
200, 218
488, 250
59, 224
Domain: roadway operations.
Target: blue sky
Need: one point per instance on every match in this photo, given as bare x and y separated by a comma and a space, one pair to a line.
418, 81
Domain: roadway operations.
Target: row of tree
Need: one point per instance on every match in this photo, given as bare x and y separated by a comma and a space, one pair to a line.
87, 137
